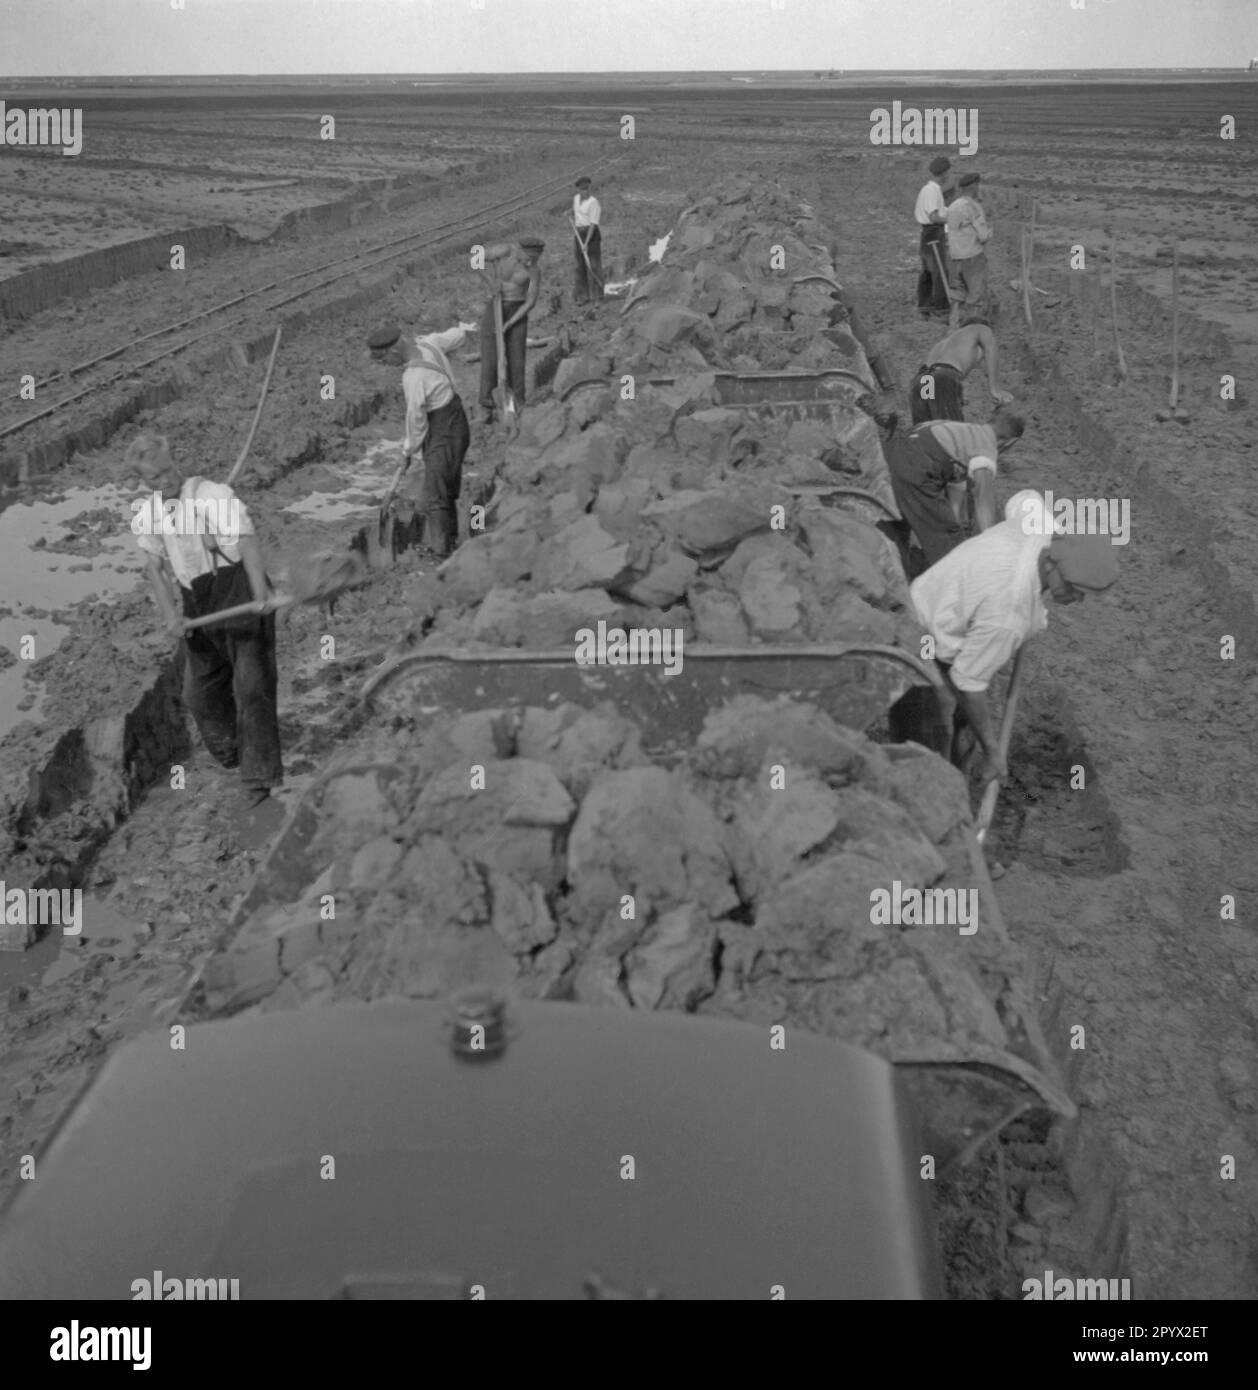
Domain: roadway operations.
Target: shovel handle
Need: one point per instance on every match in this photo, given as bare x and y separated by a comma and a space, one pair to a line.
943, 274
988, 807
240, 610
397, 482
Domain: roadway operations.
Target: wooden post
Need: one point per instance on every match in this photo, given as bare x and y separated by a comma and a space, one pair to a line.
1026, 279
1174, 324
1097, 288
1030, 253
1113, 302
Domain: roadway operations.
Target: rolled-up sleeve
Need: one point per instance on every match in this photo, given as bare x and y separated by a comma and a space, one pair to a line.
448, 340
984, 650
416, 411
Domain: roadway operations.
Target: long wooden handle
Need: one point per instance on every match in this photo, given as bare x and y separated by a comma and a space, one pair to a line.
504, 387
239, 611
1174, 324
393, 487
943, 274
257, 414
988, 807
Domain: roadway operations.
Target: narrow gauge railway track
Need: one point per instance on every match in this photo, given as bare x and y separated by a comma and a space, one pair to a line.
342, 268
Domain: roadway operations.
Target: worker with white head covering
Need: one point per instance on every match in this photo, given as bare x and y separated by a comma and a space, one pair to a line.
982, 601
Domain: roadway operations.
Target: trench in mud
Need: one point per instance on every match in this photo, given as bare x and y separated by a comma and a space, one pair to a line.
64, 547
1040, 819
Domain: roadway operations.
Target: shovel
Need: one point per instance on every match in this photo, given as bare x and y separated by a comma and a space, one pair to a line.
988, 806
503, 396
319, 579
585, 256
943, 274
386, 516
257, 414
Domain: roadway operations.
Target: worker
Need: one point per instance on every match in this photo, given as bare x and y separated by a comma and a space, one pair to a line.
932, 214
436, 423
518, 279
586, 216
968, 235
216, 562
979, 604
936, 392
935, 468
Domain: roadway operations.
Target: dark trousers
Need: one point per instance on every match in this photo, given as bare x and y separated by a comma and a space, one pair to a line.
920, 487
230, 679
917, 718
585, 288
444, 450
932, 291
517, 342
948, 399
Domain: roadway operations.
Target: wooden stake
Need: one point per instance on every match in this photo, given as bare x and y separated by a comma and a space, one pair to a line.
1096, 314
1174, 324
1030, 253
1113, 303
1026, 280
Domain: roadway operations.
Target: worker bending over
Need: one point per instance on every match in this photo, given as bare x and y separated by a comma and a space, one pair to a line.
936, 392
215, 561
980, 603
934, 468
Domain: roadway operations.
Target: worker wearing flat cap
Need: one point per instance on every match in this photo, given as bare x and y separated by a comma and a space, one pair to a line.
512, 268
980, 603
931, 213
587, 244
436, 423
968, 234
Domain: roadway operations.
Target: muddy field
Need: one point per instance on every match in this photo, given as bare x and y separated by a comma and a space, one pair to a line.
1109, 892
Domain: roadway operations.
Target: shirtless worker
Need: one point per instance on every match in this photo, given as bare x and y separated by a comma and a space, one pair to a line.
936, 392
518, 279
216, 562
933, 467
436, 423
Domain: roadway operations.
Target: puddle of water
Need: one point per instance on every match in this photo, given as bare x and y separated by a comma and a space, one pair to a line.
55, 956
48, 580
656, 253
365, 484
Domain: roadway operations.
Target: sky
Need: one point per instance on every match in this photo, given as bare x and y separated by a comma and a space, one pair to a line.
66, 38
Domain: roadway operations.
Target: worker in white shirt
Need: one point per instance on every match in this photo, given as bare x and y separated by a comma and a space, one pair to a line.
980, 603
586, 215
436, 423
931, 212
936, 467
209, 546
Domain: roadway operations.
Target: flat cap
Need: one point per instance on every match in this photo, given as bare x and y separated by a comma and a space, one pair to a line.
967, 179
384, 337
532, 243
1087, 561
583, 181
939, 165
